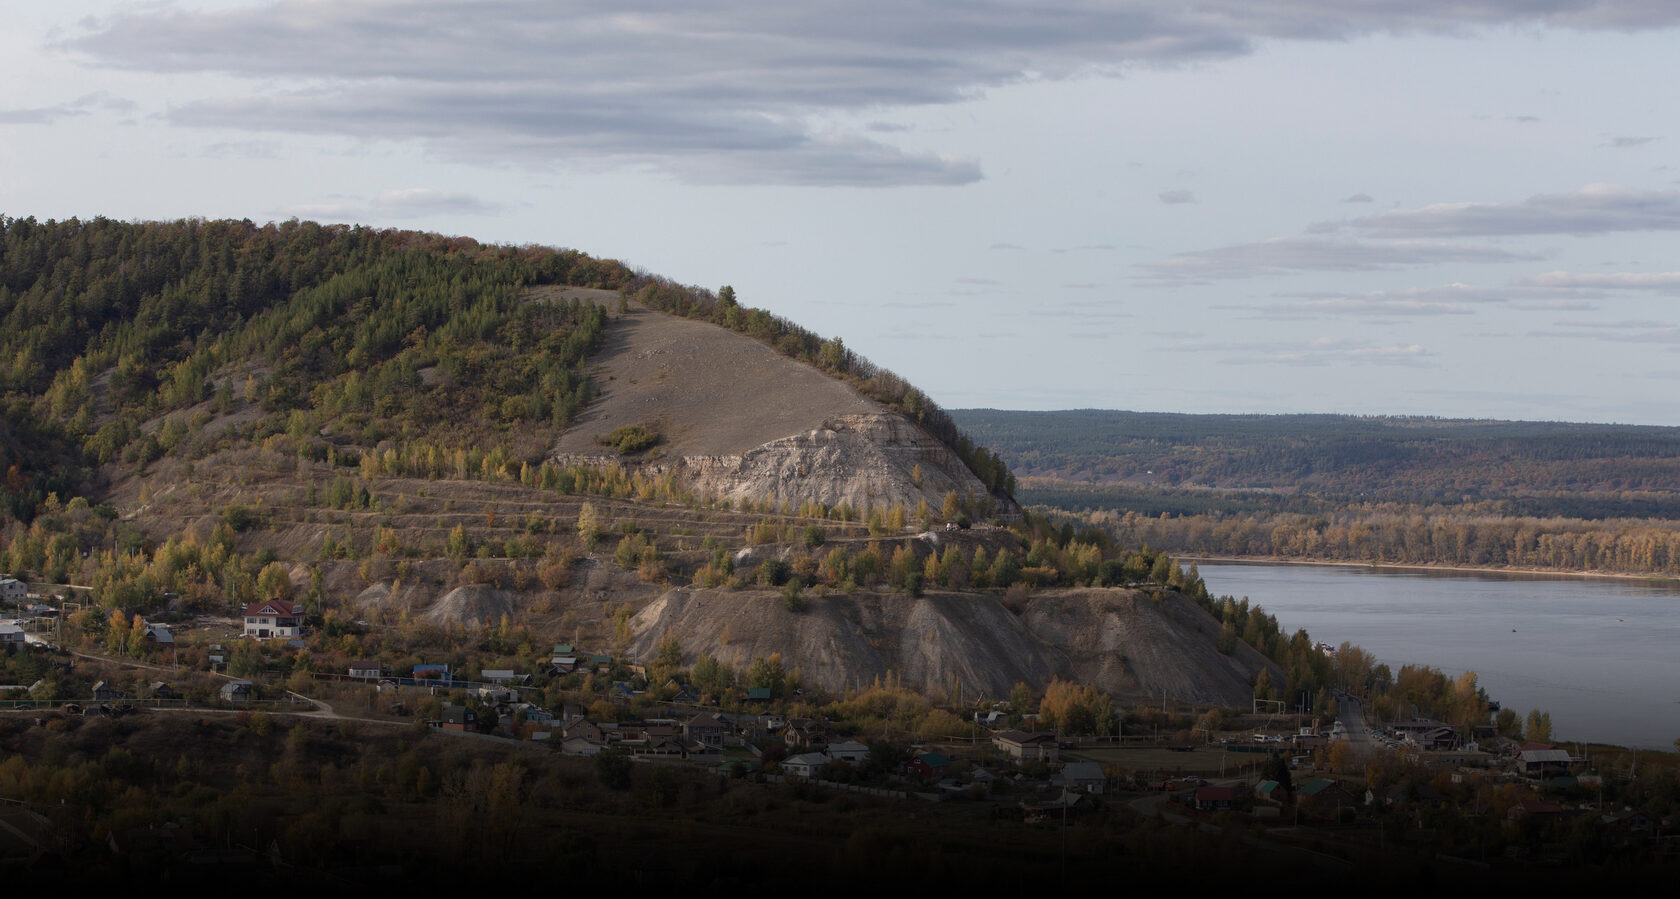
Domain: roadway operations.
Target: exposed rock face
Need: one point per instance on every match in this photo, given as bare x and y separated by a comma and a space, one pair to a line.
866, 460
1130, 645
477, 604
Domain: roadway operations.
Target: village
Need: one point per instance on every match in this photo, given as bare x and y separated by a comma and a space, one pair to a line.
1340, 786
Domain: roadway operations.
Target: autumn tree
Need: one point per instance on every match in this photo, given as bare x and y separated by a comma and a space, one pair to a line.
588, 526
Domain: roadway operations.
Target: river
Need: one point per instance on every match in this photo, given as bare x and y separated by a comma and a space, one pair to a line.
1601, 655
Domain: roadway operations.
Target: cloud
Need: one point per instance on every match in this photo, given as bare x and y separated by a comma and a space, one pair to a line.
392, 203
417, 202
1297, 254
1363, 306
1321, 352
1177, 196
86, 104
1622, 143
1594, 209
1358, 198
1006, 246
727, 92
1667, 282
242, 149
1626, 331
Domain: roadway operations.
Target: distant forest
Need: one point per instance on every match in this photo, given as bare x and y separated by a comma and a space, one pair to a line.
1405, 490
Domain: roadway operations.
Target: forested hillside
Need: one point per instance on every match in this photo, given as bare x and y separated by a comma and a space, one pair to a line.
339, 337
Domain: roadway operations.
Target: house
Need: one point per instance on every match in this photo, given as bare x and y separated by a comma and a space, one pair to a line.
103, 691
1023, 746
1325, 796
928, 766
1213, 799
367, 670
458, 718
582, 736
431, 672
758, 694
805, 765
1085, 777
806, 732
505, 676
1271, 791
273, 618
238, 691
158, 635
705, 730
13, 590
848, 751
162, 690
11, 635
1543, 763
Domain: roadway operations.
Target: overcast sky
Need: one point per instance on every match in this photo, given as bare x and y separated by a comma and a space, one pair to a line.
1464, 208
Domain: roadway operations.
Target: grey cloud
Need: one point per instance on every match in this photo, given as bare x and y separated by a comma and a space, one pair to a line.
1177, 196
1322, 352
1622, 143
417, 202
87, 104
394, 203
716, 93
1297, 254
242, 149
1359, 198
1657, 281
1334, 306
1594, 209
38, 115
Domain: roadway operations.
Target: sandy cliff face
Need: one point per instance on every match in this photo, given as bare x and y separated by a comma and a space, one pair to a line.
1126, 643
866, 460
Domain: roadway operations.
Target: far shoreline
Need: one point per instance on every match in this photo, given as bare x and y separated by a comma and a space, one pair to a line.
1458, 569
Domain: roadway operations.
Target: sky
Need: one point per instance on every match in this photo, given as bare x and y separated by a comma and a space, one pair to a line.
1459, 208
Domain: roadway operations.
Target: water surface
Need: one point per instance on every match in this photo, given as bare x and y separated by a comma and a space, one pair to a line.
1601, 655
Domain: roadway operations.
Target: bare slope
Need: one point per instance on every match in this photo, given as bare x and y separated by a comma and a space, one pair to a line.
712, 392
1134, 646
741, 421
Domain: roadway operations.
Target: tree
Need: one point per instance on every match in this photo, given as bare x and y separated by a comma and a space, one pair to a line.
1020, 698
1276, 768
669, 653
1539, 726
769, 672
588, 526
613, 767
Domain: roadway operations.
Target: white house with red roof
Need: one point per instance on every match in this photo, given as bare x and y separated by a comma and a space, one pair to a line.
273, 618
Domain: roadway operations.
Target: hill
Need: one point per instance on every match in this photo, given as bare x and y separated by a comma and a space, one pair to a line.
446, 448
